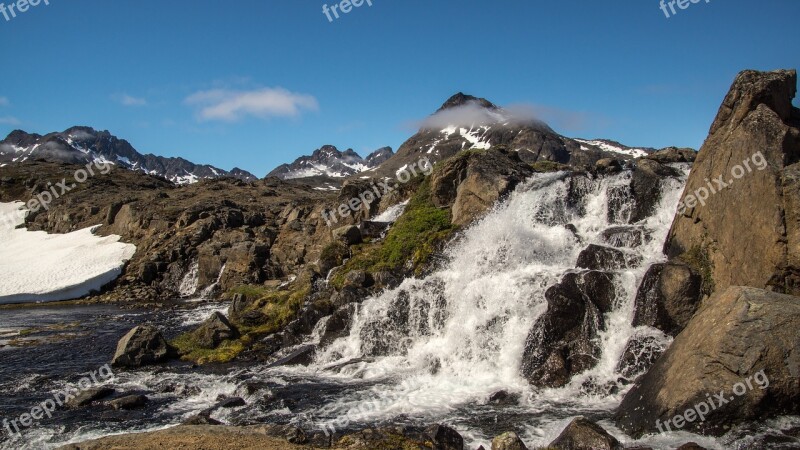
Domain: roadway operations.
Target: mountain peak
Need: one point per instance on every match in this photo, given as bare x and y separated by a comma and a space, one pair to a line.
461, 99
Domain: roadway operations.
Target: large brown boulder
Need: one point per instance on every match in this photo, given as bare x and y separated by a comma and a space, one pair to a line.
745, 230
737, 360
473, 182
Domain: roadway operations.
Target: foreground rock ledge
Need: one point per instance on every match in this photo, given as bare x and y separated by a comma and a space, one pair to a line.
207, 437
735, 336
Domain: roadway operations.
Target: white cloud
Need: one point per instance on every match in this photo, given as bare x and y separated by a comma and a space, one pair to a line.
230, 106
473, 114
128, 100
8, 120
4, 101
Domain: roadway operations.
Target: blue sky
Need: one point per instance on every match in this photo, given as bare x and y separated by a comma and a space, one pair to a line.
255, 83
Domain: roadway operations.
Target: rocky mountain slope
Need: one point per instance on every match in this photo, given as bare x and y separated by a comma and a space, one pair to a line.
82, 145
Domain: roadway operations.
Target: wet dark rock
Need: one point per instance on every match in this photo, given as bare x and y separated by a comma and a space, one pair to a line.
691, 446
231, 402
347, 295
503, 398
89, 396
129, 402
372, 230
143, 345
641, 352
598, 257
301, 356
386, 280
627, 236
203, 418
582, 434
668, 297
338, 324
214, 331
646, 187
508, 441
563, 341
444, 438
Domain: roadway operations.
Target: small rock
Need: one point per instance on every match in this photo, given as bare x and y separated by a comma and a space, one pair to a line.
445, 438
582, 433
508, 441
350, 235
88, 396
232, 402
691, 446
129, 402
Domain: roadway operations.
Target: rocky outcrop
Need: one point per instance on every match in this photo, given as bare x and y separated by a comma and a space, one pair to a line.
673, 155
646, 187
598, 257
738, 359
473, 182
143, 345
215, 330
668, 297
742, 200
582, 433
562, 342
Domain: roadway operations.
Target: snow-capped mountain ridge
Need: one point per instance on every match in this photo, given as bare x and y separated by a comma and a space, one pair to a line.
82, 145
328, 161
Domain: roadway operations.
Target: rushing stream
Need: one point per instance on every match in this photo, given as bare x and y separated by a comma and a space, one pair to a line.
432, 350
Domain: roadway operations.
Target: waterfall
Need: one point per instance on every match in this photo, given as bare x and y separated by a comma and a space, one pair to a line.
451, 339
188, 285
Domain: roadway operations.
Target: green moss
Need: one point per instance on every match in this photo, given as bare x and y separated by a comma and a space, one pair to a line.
544, 166
335, 253
698, 259
279, 307
410, 243
190, 350
249, 291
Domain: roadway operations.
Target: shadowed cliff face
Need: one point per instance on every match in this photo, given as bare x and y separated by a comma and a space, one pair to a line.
746, 230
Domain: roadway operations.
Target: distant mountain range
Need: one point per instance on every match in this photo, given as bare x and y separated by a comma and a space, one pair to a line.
328, 161
81, 145
463, 122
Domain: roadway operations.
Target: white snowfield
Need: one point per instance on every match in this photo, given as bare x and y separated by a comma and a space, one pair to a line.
40, 267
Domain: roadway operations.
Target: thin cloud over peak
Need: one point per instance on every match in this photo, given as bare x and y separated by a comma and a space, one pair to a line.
233, 105
129, 100
9, 120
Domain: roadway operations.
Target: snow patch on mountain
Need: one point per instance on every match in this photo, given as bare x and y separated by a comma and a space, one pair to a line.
41, 267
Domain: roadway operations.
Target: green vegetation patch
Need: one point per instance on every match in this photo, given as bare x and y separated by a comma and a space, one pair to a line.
410, 243
545, 166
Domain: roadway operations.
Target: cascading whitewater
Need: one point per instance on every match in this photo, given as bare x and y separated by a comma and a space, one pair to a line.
458, 335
